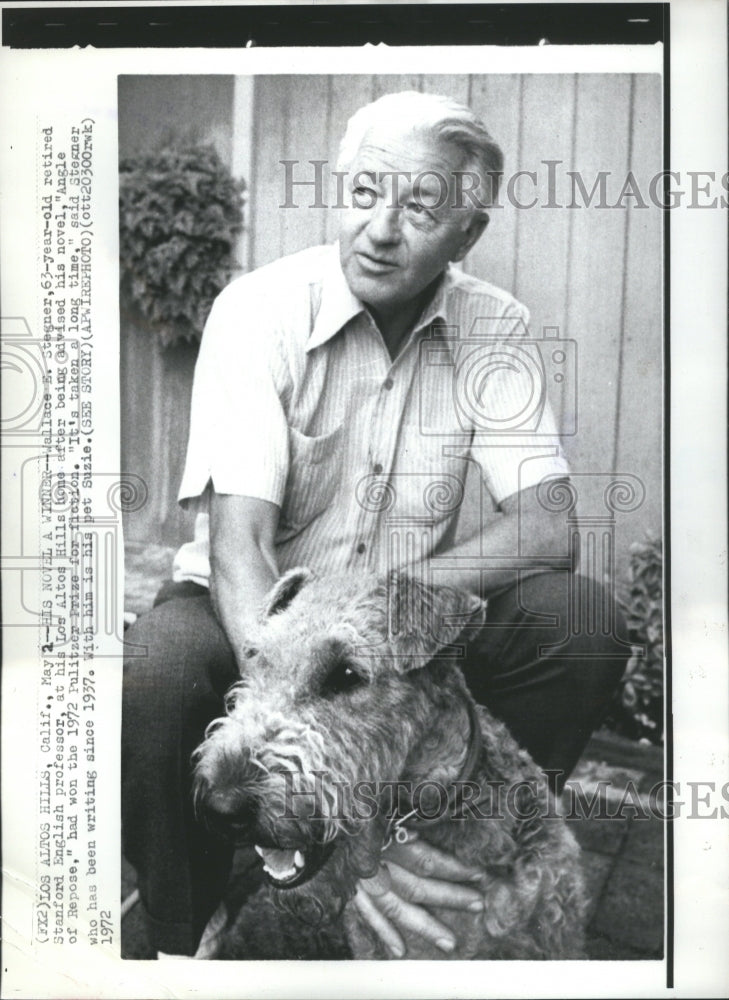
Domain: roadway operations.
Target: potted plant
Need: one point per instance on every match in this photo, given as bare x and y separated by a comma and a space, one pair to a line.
637, 709
180, 212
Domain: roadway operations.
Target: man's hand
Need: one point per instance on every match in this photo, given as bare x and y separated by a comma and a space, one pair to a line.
413, 876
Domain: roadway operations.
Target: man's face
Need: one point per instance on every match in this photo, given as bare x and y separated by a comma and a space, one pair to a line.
401, 231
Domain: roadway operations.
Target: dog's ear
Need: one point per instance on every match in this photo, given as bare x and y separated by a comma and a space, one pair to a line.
285, 590
422, 619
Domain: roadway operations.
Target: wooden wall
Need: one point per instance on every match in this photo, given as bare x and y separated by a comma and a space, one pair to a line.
593, 273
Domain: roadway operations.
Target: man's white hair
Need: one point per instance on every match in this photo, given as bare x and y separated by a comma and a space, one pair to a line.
443, 117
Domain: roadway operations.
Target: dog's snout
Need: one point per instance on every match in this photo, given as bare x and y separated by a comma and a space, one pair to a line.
231, 814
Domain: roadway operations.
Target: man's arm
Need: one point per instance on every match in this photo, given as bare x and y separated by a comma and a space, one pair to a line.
523, 528
242, 562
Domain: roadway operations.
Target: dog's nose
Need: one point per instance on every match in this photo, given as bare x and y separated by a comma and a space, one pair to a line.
232, 815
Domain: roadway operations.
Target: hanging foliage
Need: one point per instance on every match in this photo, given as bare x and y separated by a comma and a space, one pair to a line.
637, 708
179, 214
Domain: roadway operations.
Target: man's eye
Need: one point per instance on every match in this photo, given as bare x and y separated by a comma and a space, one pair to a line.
342, 678
419, 212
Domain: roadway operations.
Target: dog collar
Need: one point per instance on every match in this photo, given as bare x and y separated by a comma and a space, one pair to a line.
397, 826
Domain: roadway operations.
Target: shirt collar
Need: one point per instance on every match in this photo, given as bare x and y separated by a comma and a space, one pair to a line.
338, 305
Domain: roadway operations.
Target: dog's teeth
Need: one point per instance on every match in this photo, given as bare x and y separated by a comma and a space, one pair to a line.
258, 850
299, 859
279, 863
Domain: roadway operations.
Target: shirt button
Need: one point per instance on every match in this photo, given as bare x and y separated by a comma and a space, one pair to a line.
377, 468
388, 383
361, 547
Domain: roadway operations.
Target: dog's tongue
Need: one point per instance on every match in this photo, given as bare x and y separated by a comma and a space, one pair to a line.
281, 864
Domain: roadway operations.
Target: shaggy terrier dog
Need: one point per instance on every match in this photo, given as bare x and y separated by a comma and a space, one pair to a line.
351, 725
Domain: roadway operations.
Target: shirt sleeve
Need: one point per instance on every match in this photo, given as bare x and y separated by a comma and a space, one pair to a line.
517, 425
238, 429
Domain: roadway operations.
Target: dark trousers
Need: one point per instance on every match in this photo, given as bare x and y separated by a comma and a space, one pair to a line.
547, 675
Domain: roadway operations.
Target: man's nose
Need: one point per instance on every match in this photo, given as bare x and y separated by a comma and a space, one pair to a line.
383, 225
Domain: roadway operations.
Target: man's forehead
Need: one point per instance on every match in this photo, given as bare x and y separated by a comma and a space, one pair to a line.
398, 148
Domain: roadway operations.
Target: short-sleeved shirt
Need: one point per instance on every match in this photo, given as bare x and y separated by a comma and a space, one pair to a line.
297, 401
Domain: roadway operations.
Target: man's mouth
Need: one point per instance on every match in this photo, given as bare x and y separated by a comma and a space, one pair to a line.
375, 265
287, 868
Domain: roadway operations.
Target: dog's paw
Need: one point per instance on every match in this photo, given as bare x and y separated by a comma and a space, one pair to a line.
508, 904
501, 909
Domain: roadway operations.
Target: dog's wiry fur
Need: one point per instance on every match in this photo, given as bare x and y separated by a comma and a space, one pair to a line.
295, 714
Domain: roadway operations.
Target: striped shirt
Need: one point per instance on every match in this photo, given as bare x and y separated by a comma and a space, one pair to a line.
297, 401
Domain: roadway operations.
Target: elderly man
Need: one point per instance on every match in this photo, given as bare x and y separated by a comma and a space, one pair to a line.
324, 378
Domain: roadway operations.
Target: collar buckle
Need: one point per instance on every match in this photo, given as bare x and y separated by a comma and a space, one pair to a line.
396, 828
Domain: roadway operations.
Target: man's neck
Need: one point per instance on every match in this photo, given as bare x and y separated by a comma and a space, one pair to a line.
396, 324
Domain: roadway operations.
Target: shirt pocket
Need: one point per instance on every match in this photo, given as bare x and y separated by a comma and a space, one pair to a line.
314, 470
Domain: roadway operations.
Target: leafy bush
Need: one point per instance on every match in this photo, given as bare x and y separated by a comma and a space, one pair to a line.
637, 709
179, 214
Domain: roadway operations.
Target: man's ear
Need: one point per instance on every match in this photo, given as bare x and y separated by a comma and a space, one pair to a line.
285, 590
421, 619
472, 234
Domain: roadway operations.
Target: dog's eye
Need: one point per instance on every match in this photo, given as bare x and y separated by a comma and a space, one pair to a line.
342, 678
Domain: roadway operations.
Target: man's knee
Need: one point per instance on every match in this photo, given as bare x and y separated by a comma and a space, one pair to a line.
178, 666
583, 610
593, 647
559, 627
176, 631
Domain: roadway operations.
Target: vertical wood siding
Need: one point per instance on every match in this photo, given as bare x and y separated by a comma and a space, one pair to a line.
592, 273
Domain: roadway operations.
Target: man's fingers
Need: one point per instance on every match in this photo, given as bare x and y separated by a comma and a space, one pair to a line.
378, 883
379, 923
415, 875
414, 919
423, 859
434, 892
